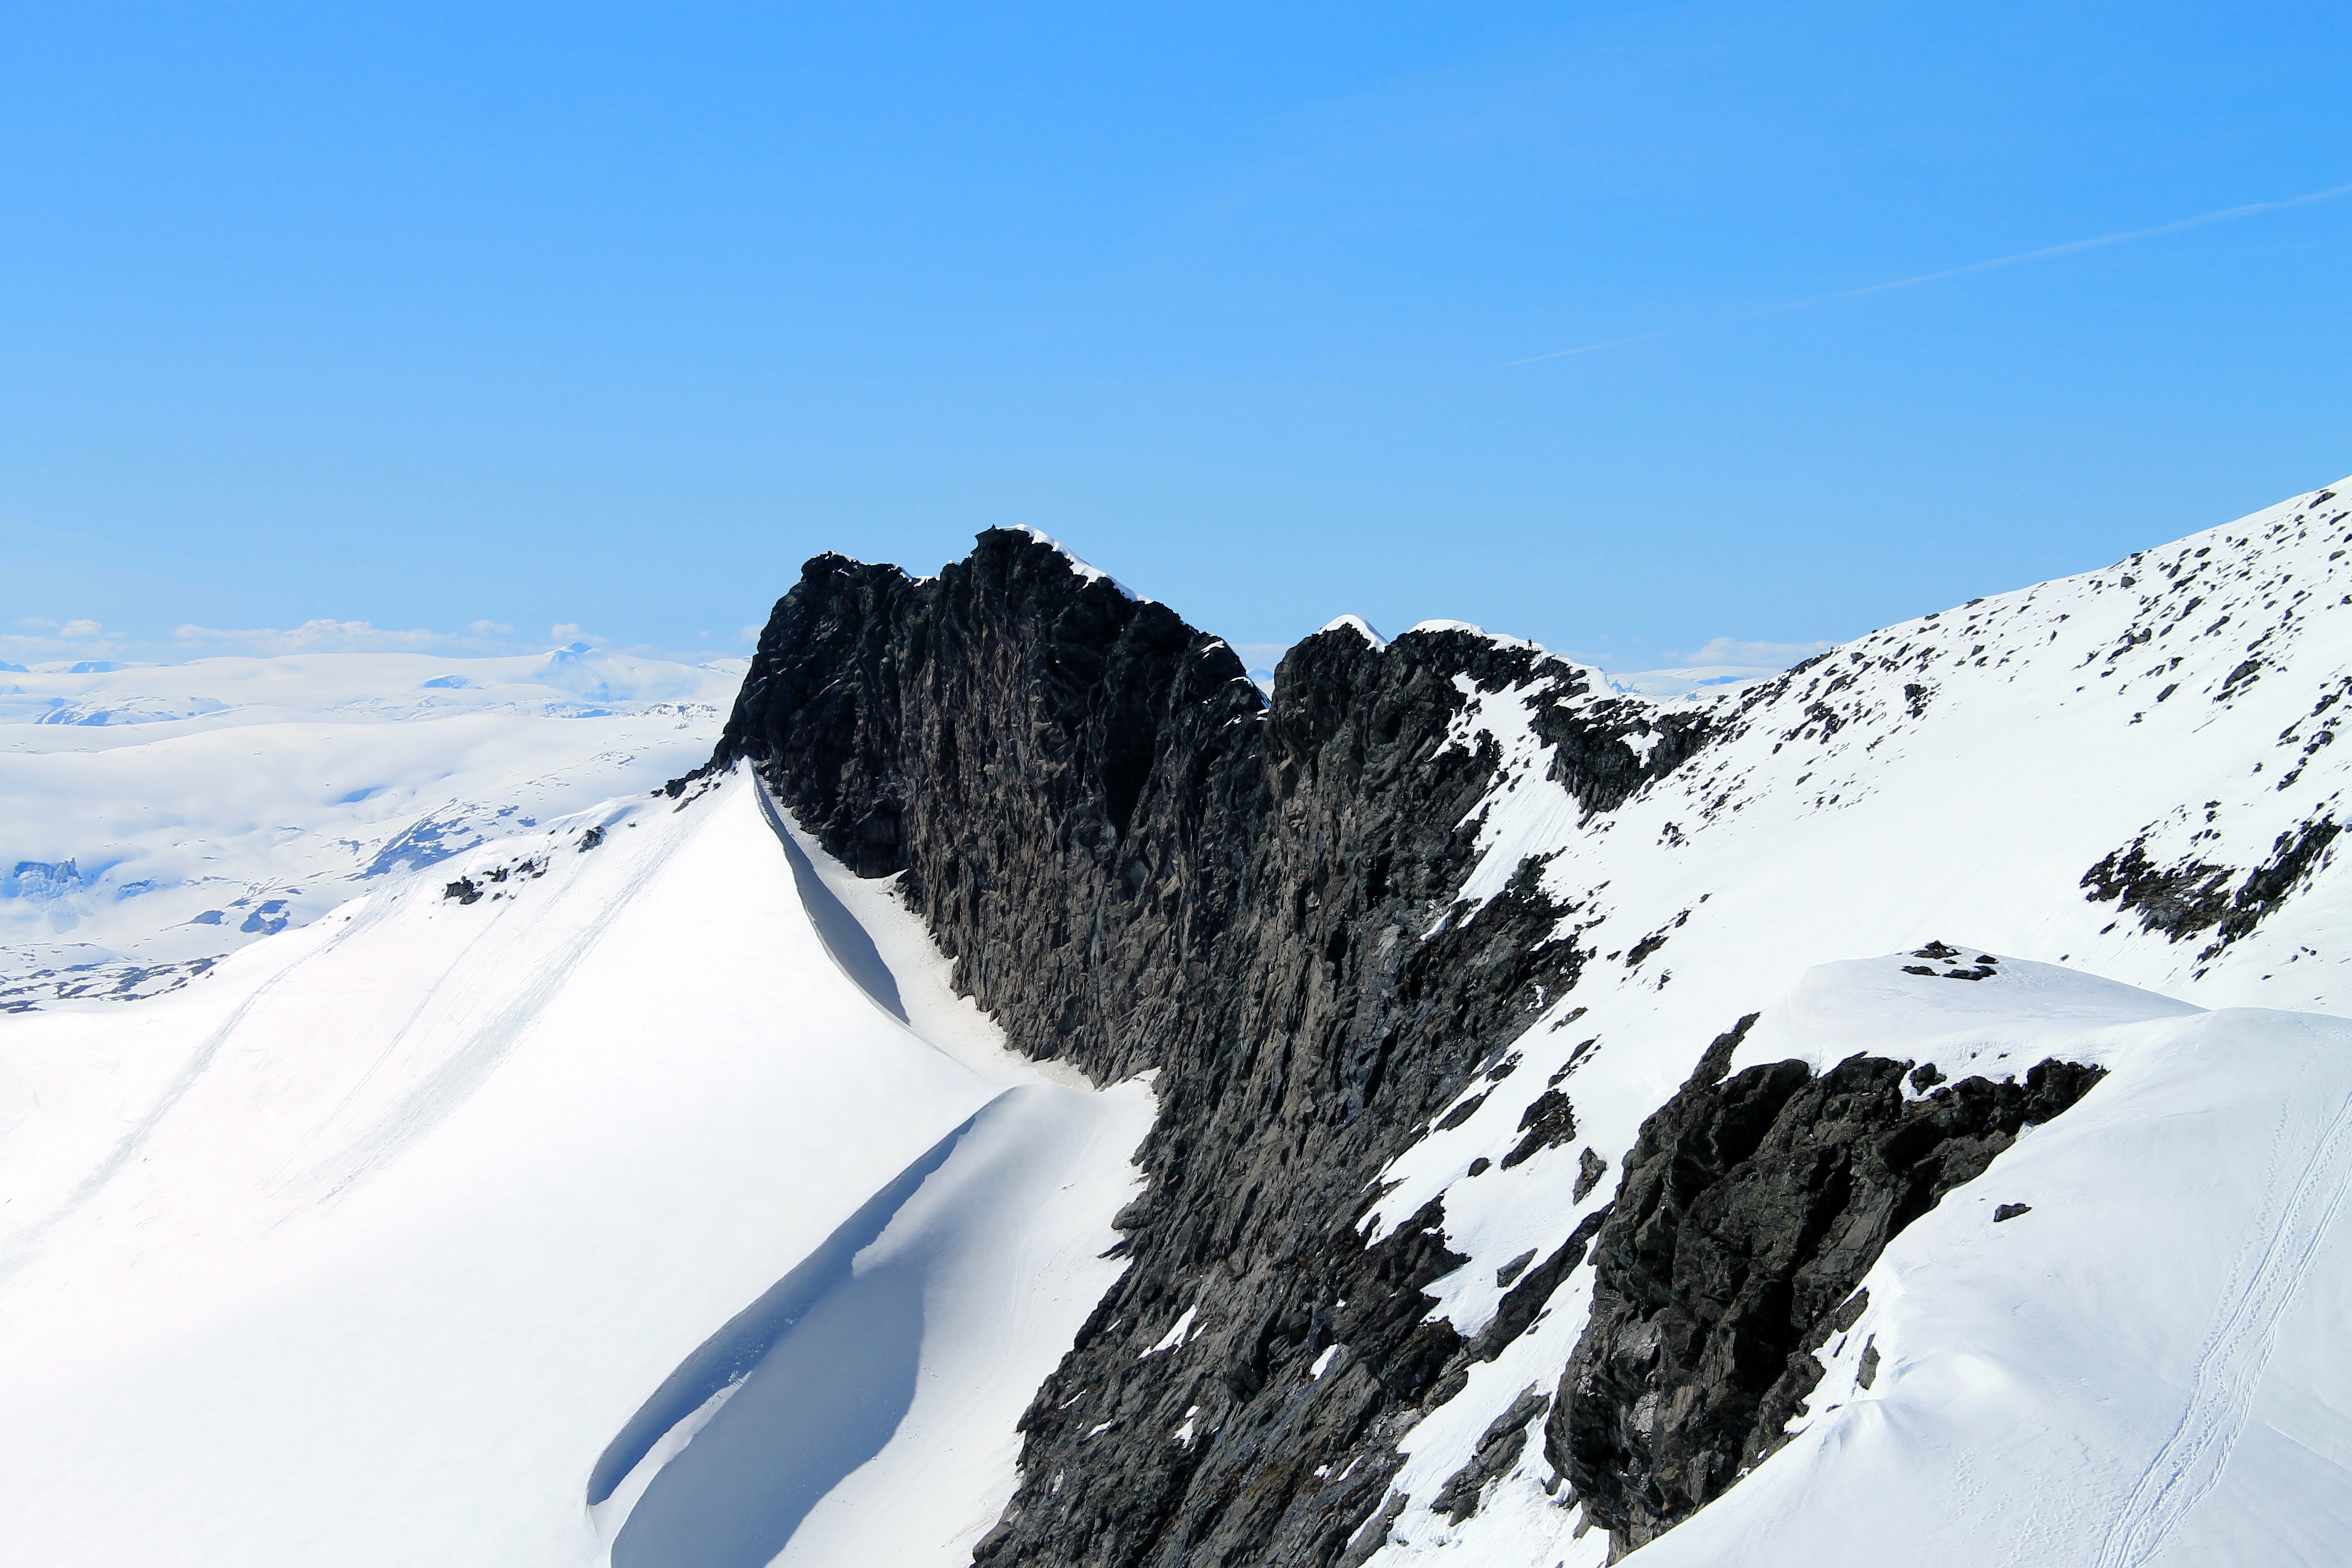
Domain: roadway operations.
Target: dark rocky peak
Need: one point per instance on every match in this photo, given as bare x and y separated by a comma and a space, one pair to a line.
1137, 861
866, 682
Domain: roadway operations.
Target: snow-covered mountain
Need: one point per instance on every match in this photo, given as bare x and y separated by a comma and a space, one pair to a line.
156, 817
1033, 1096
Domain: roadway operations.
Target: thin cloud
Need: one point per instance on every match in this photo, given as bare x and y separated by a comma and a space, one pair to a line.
2226, 214
322, 635
75, 639
1596, 348
1732, 652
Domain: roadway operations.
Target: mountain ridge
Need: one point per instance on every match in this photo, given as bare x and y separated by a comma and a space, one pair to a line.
1338, 919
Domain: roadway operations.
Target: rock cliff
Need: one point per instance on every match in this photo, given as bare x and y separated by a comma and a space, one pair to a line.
1750, 1209
1138, 861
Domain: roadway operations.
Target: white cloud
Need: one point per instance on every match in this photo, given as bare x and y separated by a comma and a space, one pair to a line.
1751, 654
1722, 664
327, 634
751, 633
75, 639
46, 641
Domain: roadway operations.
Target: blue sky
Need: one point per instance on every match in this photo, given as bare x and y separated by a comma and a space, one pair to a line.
440, 318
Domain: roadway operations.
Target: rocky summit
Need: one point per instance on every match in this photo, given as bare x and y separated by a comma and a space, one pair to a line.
1479, 1212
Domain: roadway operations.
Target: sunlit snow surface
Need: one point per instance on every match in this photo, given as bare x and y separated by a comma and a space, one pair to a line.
2140, 1370
361, 1247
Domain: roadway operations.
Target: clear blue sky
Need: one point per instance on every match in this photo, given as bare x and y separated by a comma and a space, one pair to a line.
609, 316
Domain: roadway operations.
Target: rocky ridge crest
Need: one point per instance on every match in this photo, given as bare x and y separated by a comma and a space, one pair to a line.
1137, 861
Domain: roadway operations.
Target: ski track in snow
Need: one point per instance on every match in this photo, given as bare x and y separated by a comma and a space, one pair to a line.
466, 1069
2238, 1348
27, 1241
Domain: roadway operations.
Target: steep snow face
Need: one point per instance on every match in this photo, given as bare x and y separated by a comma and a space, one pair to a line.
2129, 772
363, 1246
156, 817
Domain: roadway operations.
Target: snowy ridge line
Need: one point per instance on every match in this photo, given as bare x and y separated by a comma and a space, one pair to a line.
1078, 563
628, 1093
764, 1443
847, 941
1356, 624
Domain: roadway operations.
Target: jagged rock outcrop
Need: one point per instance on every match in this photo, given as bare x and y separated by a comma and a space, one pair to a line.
1751, 1208
1137, 861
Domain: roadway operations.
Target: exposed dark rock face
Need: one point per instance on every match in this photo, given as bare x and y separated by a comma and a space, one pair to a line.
2192, 896
1136, 861
1499, 1449
1751, 1207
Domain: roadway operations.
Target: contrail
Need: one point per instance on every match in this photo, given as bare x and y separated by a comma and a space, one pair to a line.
2252, 209
1596, 348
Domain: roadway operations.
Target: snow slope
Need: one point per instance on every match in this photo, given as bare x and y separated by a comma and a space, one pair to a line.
363, 1246
1967, 775
656, 1201
2144, 1368
156, 817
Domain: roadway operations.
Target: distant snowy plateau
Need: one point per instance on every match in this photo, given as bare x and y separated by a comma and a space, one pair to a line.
1033, 1093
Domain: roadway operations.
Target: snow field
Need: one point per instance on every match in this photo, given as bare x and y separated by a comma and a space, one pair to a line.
1849, 812
360, 1248
2129, 1373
